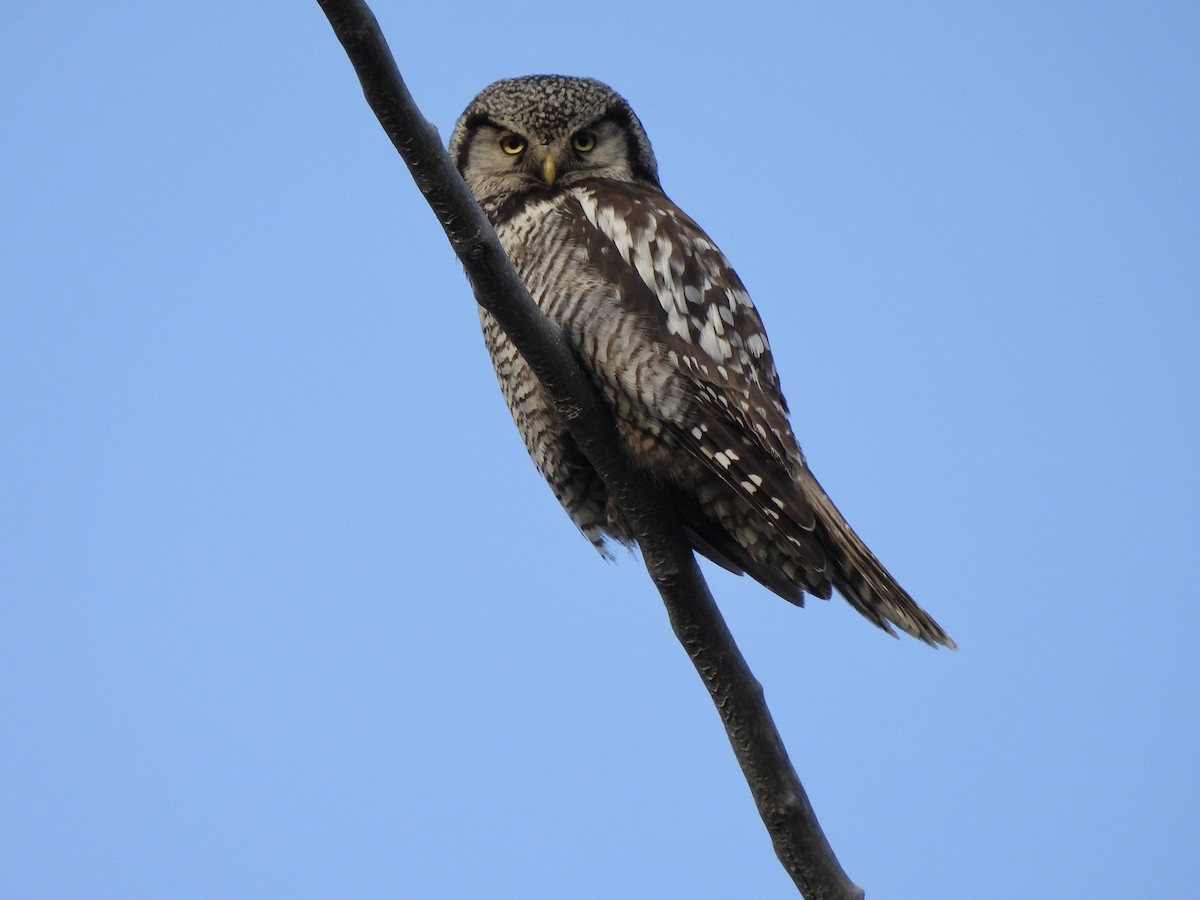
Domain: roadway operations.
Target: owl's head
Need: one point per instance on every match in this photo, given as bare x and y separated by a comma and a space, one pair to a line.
549, 131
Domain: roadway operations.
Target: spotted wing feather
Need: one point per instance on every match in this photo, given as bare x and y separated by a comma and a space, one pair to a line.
669, 276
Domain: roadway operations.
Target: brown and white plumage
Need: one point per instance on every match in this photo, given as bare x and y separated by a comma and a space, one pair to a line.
665, 328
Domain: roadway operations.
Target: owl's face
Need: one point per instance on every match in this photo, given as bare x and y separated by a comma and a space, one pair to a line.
549, 131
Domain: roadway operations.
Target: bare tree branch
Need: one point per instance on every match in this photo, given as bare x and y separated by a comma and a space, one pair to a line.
778, 793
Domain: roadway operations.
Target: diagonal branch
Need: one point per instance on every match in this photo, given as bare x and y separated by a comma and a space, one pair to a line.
778, 793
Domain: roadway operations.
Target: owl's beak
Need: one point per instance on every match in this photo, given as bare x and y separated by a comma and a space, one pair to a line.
545, 156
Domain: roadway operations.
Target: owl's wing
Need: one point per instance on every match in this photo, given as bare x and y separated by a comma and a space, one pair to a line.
731, 416
670, 277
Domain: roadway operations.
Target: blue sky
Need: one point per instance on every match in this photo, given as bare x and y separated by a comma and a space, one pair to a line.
286, 610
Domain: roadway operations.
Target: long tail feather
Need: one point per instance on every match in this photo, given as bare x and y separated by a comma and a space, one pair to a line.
862, 579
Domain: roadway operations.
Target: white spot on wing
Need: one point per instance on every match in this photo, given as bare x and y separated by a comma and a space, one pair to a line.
710, 343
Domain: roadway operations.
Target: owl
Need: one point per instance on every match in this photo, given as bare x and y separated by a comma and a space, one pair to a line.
668, 335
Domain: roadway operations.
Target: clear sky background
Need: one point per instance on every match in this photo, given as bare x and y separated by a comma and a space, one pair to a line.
287, 612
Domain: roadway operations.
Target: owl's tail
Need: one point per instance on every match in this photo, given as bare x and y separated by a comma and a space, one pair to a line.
861, 578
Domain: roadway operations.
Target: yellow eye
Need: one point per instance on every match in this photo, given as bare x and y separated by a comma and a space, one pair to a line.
512, 144
584, 141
